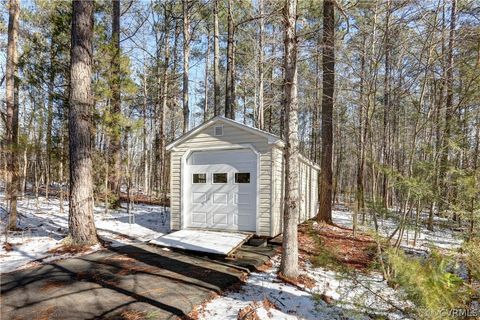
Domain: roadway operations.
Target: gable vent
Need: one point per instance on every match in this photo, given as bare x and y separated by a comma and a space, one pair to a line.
218, 131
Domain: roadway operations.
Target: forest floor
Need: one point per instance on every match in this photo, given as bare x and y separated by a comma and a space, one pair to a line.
44, 227
339, 277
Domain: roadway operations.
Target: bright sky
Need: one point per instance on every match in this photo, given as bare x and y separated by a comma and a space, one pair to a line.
137, 48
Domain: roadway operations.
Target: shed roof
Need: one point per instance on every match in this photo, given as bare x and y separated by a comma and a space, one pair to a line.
271, 138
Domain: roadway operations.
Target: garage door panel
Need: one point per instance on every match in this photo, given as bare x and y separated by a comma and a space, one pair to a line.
199, 197
220, 219
222, 157
220, 198
199, 218
226, 204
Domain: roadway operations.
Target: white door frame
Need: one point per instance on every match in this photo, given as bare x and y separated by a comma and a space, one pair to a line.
185, 176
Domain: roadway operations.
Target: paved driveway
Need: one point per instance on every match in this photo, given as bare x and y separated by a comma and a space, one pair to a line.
162, 284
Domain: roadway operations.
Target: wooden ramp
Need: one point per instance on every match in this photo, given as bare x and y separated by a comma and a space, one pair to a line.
214, 242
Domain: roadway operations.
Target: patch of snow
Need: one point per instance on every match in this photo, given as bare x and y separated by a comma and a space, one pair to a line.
355, 297
45, 226
23, 252
441, 238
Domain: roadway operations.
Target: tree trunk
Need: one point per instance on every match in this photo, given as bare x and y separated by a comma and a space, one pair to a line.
443, 202
362, 134
51, 85
216, 61
229, 83
272, 94
12, 114
476, 149
161, 125
260, 113
207, 56
60, 169
115, 112
328, 65
386, 108
186, 66
289, 263
80, 220
144, 136
314, 150
174, 105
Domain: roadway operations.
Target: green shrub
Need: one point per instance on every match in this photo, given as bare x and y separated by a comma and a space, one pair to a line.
428, 284
472, 258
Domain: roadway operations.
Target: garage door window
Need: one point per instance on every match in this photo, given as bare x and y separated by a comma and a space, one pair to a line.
220, 178
199, 178
242, 177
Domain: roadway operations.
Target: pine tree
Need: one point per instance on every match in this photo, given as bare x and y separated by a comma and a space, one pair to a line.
326, 186
12, 113
289, 264
80, 220
116, 111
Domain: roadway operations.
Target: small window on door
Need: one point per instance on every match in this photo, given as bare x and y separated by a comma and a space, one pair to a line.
242, 177
220, 178
199, 178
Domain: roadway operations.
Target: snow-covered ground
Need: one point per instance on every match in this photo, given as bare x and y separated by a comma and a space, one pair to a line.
45, 227
441, 237
354, 297
350, 295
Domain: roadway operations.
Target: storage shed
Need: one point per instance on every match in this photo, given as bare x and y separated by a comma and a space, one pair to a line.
228, 176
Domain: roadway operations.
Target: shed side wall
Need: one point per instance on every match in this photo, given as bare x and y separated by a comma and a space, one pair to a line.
308, 190
278, 191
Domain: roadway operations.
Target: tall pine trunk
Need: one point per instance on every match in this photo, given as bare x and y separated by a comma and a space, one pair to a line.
216, 61
12, 114
186, 65
115, 112
230, 75
362, 135
161, 160
289, 264
80, 220
449, 112
146, 175
207, 58
314, 148
260, 122
328, 64
51, 85
386, 109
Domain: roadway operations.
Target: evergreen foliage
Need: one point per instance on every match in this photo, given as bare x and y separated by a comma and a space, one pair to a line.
429, 283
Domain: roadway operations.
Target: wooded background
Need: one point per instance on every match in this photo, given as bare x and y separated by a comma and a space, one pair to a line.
405, 121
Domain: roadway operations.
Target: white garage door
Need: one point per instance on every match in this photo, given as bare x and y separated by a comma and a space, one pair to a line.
221, 190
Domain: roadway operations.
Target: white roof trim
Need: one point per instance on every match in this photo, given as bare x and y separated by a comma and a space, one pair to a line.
309, 162
271, 138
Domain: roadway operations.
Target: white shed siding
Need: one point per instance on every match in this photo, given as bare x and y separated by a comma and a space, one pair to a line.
231, 136
309, 182
308, 196
314, 192
304, 195
175, 189
278, 192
